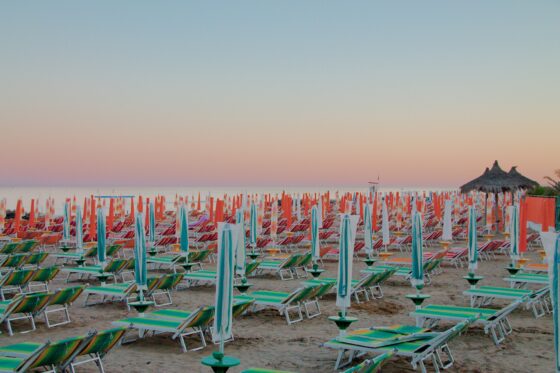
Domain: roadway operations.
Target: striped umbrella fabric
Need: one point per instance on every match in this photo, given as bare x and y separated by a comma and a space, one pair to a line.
227, 239
473, 244
447, 234
152, 223
79, 233
417, 278
368, 230
240, 254
320, 212
101, 236
554, 273
274, 220
385, 224
66, 222
140, 268
253, 226
315, 247
184, 237
348, 227
514, 233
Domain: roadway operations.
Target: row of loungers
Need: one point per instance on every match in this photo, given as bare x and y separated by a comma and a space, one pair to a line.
24, 280
61, 355
32, 305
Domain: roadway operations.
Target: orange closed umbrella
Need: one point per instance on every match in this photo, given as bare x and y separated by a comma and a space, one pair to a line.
111, 217
17, 219
31, 221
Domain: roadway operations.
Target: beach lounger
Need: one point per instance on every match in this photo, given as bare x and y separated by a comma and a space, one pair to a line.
536, 300
23, 307
283, 302
15, 281
416, 343
282, 267
366, 285
166, 262
163, 286
42, 277
59, 301
90, 253
195, 323
23, 357
97, 348
200, 278
521, 280
495, 322
120, 292
111, 269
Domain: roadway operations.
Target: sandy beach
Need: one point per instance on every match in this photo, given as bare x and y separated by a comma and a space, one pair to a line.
263, 339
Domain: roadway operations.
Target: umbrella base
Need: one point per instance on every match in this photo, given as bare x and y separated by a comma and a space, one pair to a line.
220, 363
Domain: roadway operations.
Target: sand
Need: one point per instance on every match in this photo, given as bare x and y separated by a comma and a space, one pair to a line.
265, 340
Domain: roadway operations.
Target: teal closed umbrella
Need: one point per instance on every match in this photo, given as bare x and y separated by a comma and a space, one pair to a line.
101, 237
348, 227
473, 244
184, 237
240, 252
253, 226
315, 246
79, 233
554, 270
368, 230
417, 278
66, 222
140, 269
152, 224
514, 234
227, 239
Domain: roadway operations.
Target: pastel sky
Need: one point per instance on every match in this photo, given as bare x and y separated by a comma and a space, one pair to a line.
285, 92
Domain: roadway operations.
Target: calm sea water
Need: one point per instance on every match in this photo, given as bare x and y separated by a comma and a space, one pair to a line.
12, 194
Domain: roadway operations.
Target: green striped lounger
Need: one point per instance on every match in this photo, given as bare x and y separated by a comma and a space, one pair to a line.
495, 322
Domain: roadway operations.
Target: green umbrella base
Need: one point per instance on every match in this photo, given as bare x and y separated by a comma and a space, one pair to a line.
369, 262
473, 279
243, 287
220, 363
513, 270
80, 262
316, 272
343, 323
65, 249
141, 307
253, 255
418, 299
187, 266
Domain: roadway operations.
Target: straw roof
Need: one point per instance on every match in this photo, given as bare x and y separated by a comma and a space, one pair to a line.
496, 180
521, 181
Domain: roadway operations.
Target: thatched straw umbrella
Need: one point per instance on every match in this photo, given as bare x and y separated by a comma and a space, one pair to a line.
496, 180
520, 181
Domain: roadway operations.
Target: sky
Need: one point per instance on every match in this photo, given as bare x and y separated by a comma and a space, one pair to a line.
291, 92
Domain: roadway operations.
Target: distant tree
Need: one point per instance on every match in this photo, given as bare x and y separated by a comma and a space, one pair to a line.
554, 184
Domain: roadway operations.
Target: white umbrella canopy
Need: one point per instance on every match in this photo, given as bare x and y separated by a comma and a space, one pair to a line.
240, 250
472, 244
79, 233
315, 246
368, 230
447, 233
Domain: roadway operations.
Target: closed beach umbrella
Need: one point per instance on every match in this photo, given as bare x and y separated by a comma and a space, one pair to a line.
184, 238
101, 235
417, 278
368, 230
240, 247
473, 245
385, 224
346, 253
152, 224
447, 234
253, 226
223, 318
140, 269
320, 212
554, 273
514, 233
66, 222
315, 247
79, 233
274, 220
